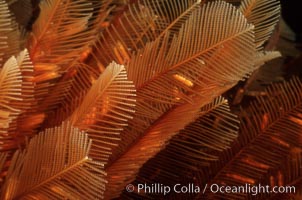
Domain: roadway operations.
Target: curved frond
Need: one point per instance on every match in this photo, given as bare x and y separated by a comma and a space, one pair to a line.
161, 85
61, 37
68, 93
123, 170
264, 15
10, 98
223, 55
10, 79
59, 167
60, 32
267, 140
192, 148
29, 118
105, 110
176, 76
17, 90
27, 70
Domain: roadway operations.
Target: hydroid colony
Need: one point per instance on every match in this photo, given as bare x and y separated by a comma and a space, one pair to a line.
97, 94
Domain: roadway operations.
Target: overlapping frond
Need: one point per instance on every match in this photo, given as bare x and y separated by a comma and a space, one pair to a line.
105, 110
68, 93
264, 15
180, 74
134, 28
192, 148
270, 134
59, 167
29, 118
61, 32
186, 64
10, 98
161, 83
9, 34
142, 22
17, 91
27, 70
61, 37
123, 170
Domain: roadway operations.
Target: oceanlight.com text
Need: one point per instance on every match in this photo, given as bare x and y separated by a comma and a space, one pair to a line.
191, 188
